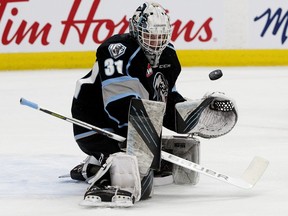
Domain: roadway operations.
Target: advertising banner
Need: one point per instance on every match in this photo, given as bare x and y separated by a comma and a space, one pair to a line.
268, 28
217, 27
70, 25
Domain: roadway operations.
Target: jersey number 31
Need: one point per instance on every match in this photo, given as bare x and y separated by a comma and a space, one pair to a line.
112, 66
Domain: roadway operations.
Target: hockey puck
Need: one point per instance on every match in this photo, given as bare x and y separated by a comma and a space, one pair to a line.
216, 74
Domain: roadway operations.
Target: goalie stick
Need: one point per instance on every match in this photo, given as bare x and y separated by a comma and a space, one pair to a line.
249, 178
73, 120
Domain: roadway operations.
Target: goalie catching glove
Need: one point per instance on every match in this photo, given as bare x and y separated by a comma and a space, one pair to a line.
212, 116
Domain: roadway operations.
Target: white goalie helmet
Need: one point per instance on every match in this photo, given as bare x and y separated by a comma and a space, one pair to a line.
150, 26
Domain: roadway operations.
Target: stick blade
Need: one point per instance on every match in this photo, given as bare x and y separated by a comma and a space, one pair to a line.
255, 170
250, 177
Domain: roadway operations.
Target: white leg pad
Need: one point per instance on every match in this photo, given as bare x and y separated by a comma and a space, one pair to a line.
125, 174
187, 148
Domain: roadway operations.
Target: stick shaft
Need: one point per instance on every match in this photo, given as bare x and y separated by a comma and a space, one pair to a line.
73, 120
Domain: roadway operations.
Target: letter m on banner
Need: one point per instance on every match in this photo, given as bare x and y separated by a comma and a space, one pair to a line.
279, 22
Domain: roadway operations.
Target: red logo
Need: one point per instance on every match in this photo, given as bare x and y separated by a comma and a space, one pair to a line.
149, 71
88, 26
33, 32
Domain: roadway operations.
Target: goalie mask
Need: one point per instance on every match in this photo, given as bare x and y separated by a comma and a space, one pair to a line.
150, 26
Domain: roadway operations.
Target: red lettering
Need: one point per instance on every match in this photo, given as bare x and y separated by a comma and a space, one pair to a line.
70, 22
101, 25
110, 26
203, 34
101, 28
207, 29
187, 30
3, 4
21, 32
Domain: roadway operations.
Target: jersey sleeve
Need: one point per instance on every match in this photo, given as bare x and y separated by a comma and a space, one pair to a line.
174, 96
118, 87
169, 119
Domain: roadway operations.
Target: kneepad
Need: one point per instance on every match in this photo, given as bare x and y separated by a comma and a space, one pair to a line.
187, 148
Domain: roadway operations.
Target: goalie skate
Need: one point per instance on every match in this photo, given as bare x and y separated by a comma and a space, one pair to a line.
116, 184
107, 196
85, 170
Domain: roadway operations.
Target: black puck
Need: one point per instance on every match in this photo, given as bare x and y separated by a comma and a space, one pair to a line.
216, 74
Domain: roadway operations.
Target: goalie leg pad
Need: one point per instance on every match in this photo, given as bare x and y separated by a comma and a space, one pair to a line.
187, 148
144, 133
125, 174
122, 187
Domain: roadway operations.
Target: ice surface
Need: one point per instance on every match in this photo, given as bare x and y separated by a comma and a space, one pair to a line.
36, 148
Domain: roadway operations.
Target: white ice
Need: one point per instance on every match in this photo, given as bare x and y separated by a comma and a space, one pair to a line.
36, 148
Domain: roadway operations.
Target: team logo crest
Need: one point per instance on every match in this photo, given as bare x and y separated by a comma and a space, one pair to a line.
160, 85
116, 50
